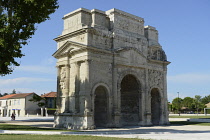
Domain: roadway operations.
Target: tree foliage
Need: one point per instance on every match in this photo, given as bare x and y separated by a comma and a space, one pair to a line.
17, 25
188, 102
198, 104
13, 91
5, 94
192, 104
205, 100
177, 103
38, 99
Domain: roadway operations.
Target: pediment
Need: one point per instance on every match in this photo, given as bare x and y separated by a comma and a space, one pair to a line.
68, 47
131, 56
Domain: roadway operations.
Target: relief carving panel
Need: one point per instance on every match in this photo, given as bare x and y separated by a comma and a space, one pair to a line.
63, 76
155, 79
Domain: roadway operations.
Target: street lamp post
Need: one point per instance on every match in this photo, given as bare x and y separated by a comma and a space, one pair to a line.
178, 104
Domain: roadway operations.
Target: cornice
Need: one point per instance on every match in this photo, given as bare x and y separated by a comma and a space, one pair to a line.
71, 34
125, 14
158, 61
82, 48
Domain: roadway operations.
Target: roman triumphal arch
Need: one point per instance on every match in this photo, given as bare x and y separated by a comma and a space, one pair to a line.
111, 71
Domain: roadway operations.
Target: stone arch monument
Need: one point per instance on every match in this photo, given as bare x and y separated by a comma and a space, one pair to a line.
111, 71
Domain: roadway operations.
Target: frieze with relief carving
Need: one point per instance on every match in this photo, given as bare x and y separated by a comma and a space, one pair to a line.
155, 79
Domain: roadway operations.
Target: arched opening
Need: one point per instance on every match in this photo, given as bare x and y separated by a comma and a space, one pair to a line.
129, 100
155, 106
100, 107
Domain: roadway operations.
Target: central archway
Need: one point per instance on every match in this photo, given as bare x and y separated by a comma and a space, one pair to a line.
130, 100
101, 107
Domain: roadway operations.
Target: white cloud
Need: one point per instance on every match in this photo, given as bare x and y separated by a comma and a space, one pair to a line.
37, 69
49, 61
190, 78
26, 90
22, 80
27, 85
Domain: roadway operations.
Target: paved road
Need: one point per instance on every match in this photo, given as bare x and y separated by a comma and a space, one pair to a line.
185, 132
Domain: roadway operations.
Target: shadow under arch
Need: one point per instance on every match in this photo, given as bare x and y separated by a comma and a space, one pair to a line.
155, 106
101, 96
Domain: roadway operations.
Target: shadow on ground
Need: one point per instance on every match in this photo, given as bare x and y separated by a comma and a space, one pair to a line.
36, 125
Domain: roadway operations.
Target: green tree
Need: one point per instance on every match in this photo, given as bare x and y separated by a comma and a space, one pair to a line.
170, 107
40, 101
188, 102
205, 100
177, 104
198, 103
5, 94
17, 25
13, 91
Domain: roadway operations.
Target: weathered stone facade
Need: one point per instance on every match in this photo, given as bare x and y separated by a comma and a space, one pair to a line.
111, 71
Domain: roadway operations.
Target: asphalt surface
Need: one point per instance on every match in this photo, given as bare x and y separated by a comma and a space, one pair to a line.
170, 132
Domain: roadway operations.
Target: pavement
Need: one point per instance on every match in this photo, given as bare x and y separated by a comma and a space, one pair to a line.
170, 132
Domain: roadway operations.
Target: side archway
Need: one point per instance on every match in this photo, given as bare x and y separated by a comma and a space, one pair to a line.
101, 106
155, 106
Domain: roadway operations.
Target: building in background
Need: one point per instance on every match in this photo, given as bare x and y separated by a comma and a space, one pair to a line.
4, 102
18, 104
50, 99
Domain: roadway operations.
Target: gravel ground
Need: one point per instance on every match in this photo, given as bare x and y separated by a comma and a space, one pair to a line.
175, 132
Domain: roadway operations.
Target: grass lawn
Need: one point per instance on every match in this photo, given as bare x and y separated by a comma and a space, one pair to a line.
58, 137
189, 123
192, 117
26, 128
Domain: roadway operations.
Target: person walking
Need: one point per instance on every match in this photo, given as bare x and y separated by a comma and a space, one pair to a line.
13, 116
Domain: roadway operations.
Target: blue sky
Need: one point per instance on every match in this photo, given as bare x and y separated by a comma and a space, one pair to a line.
184, 33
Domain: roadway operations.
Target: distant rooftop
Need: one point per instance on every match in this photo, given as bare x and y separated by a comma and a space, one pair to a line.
50, 94
14, 96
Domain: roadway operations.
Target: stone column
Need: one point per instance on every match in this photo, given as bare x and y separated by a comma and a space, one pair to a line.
162, 107
72, 103
117, 106
141, 105
77, 87
46, 114
66, 90
72, 88
42, 114
147, 113
165, 113
58, 104
87, 88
